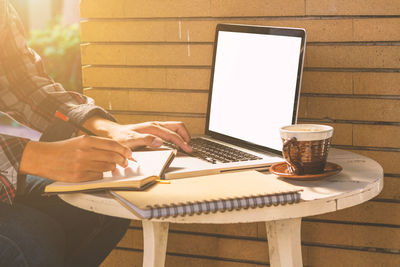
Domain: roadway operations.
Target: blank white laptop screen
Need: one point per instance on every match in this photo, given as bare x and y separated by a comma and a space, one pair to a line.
254, 86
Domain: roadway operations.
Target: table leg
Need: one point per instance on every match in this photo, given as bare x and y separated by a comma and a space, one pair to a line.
284, 243
155, 235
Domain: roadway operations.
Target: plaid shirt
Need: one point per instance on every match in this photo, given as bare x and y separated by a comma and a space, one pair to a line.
28, 95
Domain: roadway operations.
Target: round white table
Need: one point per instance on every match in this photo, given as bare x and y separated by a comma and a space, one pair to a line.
360, 180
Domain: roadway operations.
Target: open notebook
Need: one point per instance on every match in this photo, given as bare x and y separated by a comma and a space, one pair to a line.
149, 167
212, 193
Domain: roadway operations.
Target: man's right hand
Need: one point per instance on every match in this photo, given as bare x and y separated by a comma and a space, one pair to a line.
78, 159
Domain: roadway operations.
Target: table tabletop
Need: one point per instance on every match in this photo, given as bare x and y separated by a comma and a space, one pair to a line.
360, 180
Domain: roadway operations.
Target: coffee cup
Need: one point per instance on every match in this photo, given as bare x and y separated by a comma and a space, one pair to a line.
305, 147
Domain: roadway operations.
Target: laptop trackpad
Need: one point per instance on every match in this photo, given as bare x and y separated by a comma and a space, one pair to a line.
185, 166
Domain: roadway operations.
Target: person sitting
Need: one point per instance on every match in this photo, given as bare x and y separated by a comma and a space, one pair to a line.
37, 230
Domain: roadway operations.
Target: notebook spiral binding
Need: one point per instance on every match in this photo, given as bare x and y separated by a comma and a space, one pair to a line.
222, 205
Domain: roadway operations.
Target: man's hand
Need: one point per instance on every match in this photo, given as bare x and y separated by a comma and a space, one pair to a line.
149, 134
153, 133
83, 158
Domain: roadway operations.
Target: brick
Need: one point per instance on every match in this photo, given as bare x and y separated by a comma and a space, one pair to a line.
349, 109
148, 31
377, 83
368, 212
354, 7
350, 235
144, 8
154, 101
109, 99
327, 82
342, 134
302, 112
359, 83
141, 77
124, 77
376, 29
391, 189
234, 8
387, 159
348, 56
188, 78
168, 102
376, 135
129, 31
195, 125
150, 54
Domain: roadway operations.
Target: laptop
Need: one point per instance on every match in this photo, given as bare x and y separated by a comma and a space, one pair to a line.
254, 90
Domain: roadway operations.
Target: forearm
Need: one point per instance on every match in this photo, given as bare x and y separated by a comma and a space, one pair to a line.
100, 126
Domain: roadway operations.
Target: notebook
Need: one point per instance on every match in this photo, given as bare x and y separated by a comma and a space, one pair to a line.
149, 166
254, 90
212, 193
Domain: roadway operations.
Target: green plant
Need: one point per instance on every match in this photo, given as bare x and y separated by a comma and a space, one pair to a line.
59, 48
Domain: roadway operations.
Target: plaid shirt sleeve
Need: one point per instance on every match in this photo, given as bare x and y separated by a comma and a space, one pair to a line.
30, 96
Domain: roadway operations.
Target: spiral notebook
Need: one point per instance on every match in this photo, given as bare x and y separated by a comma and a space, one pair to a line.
205, 194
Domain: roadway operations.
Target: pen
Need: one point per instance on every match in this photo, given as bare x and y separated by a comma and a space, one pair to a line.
163, 181
65, 118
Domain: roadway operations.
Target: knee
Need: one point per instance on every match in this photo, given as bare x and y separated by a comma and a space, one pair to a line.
10, 253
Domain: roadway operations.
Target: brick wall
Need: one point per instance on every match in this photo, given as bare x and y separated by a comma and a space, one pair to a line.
150, 60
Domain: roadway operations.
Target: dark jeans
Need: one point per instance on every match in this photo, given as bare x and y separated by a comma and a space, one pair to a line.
45, 231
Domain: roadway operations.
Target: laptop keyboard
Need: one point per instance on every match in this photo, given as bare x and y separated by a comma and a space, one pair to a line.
214, 152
